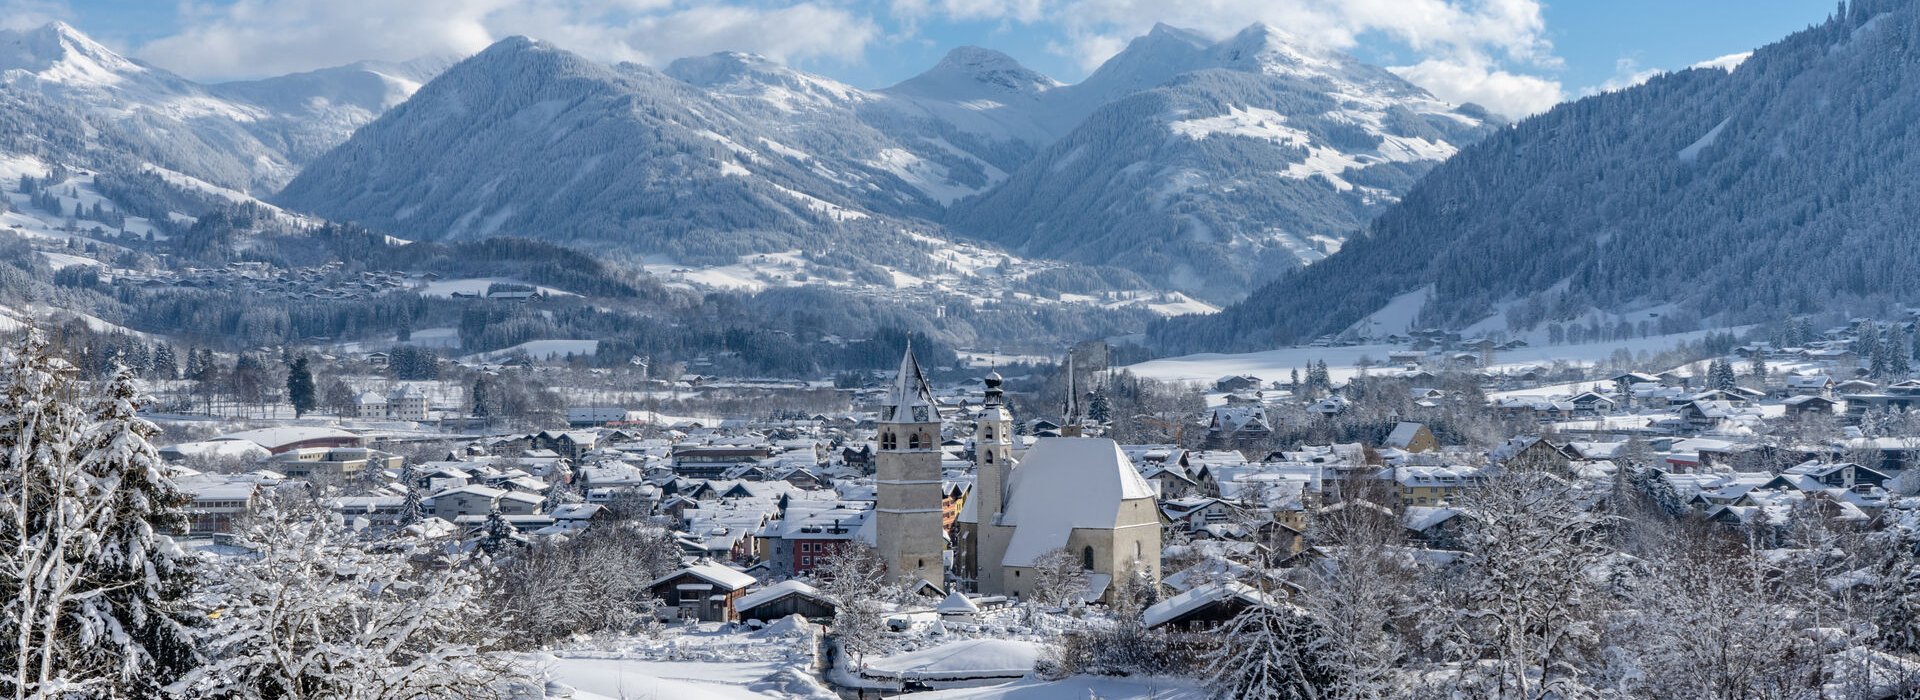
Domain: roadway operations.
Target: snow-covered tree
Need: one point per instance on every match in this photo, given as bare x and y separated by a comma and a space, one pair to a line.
91, 584
312, 613
1523, 600
1273, 652
1059, 580
593, 582
855, 576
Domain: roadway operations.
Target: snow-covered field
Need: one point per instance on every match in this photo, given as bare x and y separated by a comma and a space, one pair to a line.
1342, 362
545, 349
478, 285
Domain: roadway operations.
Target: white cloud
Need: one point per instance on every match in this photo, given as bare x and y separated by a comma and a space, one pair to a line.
27, 14
1483, 51
1506, 93
267, 37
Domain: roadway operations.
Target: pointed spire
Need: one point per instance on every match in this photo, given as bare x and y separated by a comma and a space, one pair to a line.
1071, 421
909, 392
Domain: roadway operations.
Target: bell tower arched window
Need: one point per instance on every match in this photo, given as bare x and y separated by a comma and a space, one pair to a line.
913, 441
1086, 558
887, 441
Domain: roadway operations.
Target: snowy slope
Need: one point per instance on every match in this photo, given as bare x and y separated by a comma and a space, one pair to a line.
1210, 167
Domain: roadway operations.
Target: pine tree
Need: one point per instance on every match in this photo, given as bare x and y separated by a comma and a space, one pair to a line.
1758, 367
165, 366
498, 533
482, 396
300, 389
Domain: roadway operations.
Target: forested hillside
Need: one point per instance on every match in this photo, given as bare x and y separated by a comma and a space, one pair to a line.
1779, 188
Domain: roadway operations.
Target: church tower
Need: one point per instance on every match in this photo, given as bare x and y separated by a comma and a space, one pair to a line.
908, 496
993, 474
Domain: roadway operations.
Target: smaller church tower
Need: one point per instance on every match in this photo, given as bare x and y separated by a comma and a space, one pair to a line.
908, 495
993, 475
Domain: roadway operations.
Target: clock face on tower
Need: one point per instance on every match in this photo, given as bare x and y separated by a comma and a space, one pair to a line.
919, 414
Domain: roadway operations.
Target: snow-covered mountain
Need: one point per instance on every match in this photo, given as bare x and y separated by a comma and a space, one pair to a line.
1711, 196
250, 137
1211, 167
310, 113
1240, 157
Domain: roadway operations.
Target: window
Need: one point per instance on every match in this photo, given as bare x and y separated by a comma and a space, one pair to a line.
913, 442
806, 561
1086, 558
989, 458
989, 433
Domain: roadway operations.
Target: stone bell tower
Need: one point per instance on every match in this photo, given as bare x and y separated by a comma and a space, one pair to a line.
993, 470
908, 495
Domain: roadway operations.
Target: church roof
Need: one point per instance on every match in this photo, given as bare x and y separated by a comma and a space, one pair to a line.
1066, 483
909, 390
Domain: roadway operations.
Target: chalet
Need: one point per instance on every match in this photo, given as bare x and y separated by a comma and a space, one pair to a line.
783, 599
1809, 385
1238, 424
1531, 453
705, 592
1810, 404
1590, 403
1814, 476
1205, 607
1236, 383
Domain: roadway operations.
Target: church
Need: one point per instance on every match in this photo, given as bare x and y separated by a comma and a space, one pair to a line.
1075, 493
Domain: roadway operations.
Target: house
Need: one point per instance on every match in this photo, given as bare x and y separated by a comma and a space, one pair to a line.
783, 599
1233, 383
1411, 437
1205, 607
1810, 404
704, 592
1809, 385
1813, 476
1591, 403
1532, 453
1234, 424
714, 461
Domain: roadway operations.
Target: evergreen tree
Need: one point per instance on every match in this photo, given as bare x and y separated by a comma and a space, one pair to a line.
1099, 408
1757, 368
93, 588
498, 533
300, 387
165, 366
1899, 361
1895, 597
482, 397
145, 578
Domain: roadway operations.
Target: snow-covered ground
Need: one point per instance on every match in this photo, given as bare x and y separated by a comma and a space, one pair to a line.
1342, 362
705, 661
478, 285
545, 350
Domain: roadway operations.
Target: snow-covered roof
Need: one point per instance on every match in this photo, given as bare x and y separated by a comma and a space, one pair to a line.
1403, 434
1186, 603
1066, 483
712, 573
272, 438
956, 603
776, 592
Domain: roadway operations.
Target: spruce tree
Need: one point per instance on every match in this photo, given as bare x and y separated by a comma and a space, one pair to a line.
300, 389
145, 579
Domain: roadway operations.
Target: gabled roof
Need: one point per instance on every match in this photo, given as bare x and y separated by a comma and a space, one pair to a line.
776, 592
710, 572
1066, 483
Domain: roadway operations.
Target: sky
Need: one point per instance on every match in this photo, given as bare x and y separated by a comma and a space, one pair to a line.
1516, 57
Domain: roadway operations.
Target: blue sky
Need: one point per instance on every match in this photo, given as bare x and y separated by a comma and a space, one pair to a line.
1516, 56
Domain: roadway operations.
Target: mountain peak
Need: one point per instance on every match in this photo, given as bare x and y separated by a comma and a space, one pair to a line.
973, 72
1166, 32
57, 52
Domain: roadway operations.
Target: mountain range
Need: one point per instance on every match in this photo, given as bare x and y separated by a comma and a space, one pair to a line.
1707, 197
1201, 166
249, 137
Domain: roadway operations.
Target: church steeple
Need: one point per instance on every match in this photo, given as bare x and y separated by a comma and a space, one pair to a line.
909, 400
1070, 420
